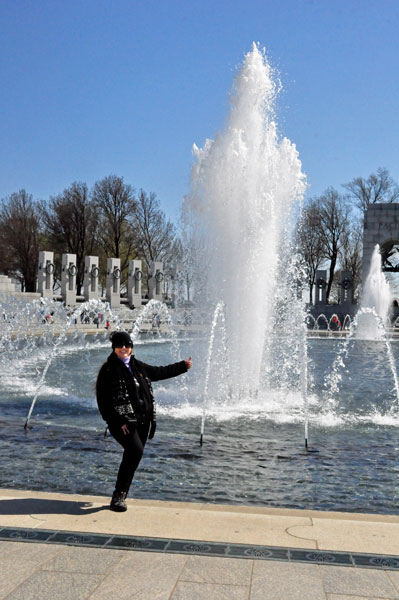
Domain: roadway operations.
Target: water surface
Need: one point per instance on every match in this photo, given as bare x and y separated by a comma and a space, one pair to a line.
253, 450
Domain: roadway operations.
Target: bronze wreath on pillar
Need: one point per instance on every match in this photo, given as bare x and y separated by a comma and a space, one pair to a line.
346, 283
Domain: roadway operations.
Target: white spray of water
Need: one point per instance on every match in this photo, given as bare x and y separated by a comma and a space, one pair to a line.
25, 329
218, 314
377, 297
246, 185
375, 326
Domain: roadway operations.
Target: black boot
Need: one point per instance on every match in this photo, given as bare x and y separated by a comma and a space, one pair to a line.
118, 503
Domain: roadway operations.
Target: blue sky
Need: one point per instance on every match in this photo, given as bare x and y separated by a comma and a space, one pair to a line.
93, 88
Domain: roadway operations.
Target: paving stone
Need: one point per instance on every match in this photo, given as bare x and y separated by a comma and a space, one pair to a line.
13, 573
84, 560
206, 569
282, 581
142, 576
340, 597
186, 590
19, 560
394, 577
44, 585
39, 553
360, 582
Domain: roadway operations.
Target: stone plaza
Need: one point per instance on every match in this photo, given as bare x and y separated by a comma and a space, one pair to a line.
66, 547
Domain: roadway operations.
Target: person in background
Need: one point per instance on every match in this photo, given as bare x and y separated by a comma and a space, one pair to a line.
336, 323
126, 402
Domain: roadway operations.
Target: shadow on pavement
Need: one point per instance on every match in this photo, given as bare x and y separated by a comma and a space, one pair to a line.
36, 506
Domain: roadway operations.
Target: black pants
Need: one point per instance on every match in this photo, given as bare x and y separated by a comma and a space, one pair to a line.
133, 444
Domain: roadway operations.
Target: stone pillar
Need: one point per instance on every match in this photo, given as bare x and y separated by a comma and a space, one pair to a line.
176, 283
6, 284
134, 277
68, 279
320, 287
90, 280
45, 275
173, 285
346, 296
155, 281
113, 285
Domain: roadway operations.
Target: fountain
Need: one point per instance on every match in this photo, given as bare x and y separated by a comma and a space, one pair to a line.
43, 326
371, 324
377, 297
246, 188
258, 379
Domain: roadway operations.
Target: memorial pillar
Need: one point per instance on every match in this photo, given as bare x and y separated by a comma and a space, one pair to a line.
320, 287
346, 297
68, 279
113, 282
134, 278
90, 280
45, 276
173, 284
155, 281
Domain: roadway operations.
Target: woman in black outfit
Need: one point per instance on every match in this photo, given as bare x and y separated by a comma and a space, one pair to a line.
126, 402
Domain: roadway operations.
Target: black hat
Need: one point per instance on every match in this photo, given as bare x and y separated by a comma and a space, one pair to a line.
121, 338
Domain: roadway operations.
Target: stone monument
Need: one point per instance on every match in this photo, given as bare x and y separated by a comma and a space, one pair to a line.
134, 278
90, 280
6, 284
381, 226
113, 282
68, 279
155, 281
346, 293
320, 287
45, 278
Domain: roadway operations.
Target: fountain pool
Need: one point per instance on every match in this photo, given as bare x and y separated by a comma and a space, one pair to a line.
252, 454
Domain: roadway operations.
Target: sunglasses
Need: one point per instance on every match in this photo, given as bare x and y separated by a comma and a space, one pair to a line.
124, 346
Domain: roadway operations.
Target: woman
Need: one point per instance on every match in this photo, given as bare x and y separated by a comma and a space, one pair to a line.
125, 401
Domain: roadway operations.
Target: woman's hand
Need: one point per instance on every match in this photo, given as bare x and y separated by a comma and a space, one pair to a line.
125, 429
152, 430
189, 363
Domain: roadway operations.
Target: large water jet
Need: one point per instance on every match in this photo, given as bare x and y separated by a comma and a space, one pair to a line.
246, 188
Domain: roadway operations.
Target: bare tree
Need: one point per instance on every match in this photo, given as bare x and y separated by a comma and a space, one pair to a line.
351, 255
116, 205
5, 252
378, 187
20, 232
310, 243
70, 223
156, 237
334, 223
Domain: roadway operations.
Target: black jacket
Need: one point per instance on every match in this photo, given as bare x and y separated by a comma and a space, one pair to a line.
127, 398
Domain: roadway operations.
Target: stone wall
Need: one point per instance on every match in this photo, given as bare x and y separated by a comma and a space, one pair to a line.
6, 284
381, 225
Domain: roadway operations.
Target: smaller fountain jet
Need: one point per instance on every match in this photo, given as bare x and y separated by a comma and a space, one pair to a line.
373, 317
